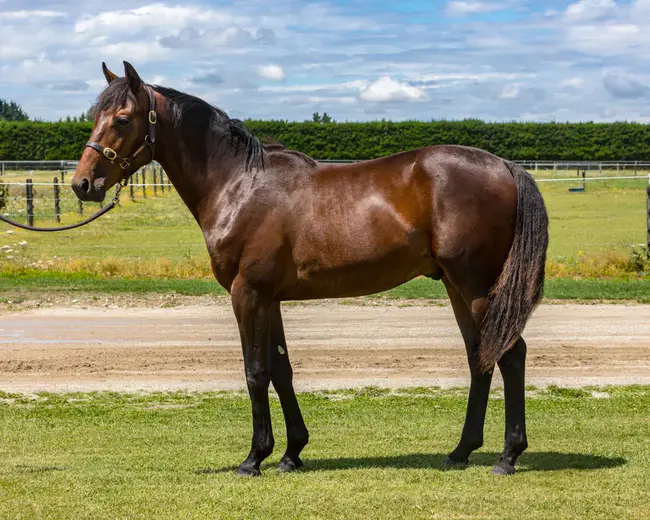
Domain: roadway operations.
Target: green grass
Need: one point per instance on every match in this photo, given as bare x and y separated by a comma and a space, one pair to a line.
34, 282
610, 216
372, 455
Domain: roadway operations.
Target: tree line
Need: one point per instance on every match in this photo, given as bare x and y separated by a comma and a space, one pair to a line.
329, 140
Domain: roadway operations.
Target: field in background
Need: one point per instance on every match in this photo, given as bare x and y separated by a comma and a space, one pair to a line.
592, 234
372, 453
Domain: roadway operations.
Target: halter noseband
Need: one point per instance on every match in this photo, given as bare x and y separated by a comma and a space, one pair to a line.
149, 141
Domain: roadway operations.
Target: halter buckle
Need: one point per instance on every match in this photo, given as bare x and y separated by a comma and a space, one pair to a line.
110, 154
125, 163
153, 117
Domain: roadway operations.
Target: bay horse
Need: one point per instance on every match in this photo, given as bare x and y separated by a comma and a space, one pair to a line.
280, 226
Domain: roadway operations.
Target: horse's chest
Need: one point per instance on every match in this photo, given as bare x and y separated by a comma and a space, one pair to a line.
225, 252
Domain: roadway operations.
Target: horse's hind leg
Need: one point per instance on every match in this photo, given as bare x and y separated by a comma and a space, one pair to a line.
472, 436
512, 367
282, 378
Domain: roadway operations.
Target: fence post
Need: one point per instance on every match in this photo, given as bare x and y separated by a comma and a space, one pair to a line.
29, 195
57, 203
131, 190
80, 206
144, 183
62, 176
3, 168
162, 179
169, 183
155, 182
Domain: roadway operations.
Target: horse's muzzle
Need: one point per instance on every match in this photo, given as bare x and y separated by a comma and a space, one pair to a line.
88, 191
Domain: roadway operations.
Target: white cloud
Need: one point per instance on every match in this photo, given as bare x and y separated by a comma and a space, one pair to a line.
465, 7
315, 87
274, 72
387, 89
572, 82
135, 53
590, 9
509, 92
190, 38
606, 39
28, 15
159, 16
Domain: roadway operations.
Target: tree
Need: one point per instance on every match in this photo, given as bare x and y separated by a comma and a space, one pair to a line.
11, 111
324, 119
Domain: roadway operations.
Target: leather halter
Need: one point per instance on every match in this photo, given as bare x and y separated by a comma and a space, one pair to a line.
149, 141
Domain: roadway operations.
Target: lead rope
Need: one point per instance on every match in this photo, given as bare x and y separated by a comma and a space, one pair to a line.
103, 211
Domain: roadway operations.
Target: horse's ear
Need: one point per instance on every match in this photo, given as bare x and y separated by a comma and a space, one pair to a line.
132, 76
108, 74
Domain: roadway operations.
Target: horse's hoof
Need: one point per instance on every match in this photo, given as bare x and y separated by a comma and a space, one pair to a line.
503, 468
248, 471
288, 465
450, 463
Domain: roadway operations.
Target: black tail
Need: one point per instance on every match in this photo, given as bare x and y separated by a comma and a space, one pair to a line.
520, 285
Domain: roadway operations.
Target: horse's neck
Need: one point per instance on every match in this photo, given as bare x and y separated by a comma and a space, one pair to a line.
194, 180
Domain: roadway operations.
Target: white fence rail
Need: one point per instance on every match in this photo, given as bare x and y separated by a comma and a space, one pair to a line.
20, 167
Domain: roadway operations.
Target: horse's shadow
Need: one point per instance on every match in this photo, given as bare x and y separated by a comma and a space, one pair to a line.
533, 461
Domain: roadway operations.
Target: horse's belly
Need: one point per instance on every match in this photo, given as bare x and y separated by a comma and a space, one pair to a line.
358, 268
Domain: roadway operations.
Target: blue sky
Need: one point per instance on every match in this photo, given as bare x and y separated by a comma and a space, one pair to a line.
526, 60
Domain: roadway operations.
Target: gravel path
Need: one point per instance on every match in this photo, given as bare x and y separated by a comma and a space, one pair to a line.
332, 345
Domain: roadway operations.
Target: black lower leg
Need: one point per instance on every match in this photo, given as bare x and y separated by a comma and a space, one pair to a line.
472, 436
512, 367
254, 328
282, 378
262, 442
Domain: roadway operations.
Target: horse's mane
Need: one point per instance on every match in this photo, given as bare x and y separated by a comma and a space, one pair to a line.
196, 116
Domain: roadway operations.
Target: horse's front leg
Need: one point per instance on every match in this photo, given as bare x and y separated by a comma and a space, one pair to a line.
253, 318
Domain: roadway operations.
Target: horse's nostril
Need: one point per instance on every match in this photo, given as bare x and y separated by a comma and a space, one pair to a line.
84, 186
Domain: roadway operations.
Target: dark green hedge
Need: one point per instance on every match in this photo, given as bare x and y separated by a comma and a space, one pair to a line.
31, 141
542, 141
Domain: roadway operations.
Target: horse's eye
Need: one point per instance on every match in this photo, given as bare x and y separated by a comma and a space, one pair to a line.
123, 121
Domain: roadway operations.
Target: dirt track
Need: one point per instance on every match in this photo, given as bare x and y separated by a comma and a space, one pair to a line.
331, 346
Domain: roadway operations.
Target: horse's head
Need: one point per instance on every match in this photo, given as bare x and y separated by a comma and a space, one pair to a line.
122, 138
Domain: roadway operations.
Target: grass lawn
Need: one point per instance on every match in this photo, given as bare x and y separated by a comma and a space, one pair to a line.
33, 283
372, 454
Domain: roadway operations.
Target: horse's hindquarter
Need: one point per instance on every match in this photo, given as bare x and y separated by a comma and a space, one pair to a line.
474, 208
360, 229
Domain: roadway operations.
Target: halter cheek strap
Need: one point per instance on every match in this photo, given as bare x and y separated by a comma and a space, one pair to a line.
148, 144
